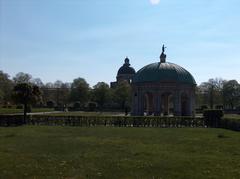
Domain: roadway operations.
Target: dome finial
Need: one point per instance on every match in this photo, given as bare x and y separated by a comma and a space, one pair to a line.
127, 61
163, 56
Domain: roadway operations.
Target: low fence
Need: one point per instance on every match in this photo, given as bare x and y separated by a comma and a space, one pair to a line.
88, 121
116, 121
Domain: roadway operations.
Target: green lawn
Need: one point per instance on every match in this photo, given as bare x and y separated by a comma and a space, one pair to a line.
14, 110
10, 110
81, 113
232, 116
105, 152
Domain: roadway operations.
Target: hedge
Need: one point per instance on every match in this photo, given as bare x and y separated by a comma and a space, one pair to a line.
213, 117
230, 123
117, 121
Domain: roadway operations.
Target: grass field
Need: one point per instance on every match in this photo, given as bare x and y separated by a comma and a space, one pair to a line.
14, 110
83, 113
98, 152
232, 116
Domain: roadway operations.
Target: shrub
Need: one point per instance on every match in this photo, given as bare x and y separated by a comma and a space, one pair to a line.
230, 123
238, 108
213, 117
204, 107
29, 108
219, 106
117, 121
77, 106
50, 104
19, 107
92, 106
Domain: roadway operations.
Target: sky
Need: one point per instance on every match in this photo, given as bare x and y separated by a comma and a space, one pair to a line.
66, 39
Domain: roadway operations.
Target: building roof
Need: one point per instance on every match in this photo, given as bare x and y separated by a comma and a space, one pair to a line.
126, 69
163, 72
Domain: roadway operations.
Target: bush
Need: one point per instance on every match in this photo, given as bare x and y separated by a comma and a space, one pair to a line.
238, 108
77, 106
50, 104
29, 108
92, 106
213, 117
230, 123
19, 107
117, 121
219, 106
204, 107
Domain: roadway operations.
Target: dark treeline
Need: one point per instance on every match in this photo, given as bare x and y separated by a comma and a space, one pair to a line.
219, 94
78, 95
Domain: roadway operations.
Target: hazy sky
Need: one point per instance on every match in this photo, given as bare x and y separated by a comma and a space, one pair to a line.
66, 39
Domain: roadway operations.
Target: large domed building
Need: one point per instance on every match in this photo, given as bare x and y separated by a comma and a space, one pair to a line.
163, 88
125, 73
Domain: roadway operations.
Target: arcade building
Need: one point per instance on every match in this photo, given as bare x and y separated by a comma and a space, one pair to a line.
160, 88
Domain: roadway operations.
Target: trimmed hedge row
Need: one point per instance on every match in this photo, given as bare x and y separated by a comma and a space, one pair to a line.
213, 117
229, 123
117, 121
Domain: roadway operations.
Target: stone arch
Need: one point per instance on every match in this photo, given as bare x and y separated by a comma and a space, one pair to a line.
162, 99
167, 103
149, 103
185, 104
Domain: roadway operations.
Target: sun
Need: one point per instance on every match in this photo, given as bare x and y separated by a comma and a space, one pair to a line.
154, 2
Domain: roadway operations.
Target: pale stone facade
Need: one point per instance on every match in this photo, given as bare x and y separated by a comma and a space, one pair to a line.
154, 99
163, 88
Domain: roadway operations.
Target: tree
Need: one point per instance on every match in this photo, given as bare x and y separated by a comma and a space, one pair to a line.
25, 93
211, 92
231, 94
57, 92
49, 85
122, 94
22, 78
63, 92
79, 91
58, 84
101, 94
6, 86
1, 96
38, 82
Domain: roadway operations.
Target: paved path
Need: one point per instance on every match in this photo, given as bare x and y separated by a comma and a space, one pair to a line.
36, 113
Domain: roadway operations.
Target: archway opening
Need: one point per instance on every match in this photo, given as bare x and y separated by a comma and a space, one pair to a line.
148, 104
184, 105
167, 106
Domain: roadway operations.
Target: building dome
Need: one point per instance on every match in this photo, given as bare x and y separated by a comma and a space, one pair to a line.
163, 88
126, 69
163, 72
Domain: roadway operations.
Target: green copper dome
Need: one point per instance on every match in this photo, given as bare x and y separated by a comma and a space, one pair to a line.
163, 72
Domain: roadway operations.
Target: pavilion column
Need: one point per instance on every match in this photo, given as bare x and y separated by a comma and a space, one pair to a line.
189, 104
191, 111
177, 104
134, 103
157, 104
140, 104
166, 104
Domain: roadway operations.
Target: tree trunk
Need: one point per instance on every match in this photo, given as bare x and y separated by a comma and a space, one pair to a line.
25, 113
211, 98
